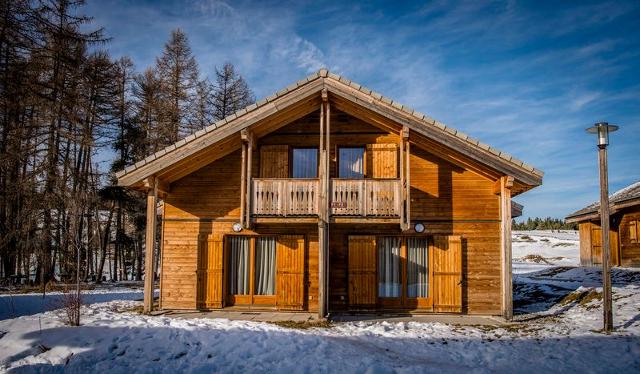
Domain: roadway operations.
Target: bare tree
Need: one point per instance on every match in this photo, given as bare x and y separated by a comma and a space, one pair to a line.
230, 92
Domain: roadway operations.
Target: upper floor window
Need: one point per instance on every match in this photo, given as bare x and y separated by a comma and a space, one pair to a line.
351, 162
305, 163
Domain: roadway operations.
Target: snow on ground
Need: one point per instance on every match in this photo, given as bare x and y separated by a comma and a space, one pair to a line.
541, 249
556, 329
15, 305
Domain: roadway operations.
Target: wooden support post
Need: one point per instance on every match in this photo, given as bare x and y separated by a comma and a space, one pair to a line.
607, 300
323, 213
407, 164
248, 192
243, 185
506, 183
150, 240
405, 218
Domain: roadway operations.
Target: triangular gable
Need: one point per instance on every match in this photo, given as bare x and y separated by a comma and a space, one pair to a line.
303, 97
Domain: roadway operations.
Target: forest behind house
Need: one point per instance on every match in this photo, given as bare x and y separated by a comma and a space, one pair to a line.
64, 103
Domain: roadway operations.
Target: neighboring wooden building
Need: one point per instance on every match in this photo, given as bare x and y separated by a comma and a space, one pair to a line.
328, 197
624, 231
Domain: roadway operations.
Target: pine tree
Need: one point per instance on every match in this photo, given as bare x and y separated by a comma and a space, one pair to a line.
230, 92
177, 71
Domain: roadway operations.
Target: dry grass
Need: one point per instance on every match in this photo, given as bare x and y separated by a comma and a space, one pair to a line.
304, 325
524, 238
582, 298
138, 309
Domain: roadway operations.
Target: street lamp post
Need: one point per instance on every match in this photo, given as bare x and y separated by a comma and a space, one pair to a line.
602, 129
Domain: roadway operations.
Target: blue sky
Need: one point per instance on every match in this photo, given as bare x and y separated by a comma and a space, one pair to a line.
525, 77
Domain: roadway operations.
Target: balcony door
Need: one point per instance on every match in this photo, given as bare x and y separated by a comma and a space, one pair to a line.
265, 271
251, 270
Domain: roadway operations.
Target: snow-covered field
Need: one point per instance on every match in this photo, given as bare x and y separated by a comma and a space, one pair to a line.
537, 250
558, 317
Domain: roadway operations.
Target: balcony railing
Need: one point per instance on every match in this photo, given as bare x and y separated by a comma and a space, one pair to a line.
366, 197
285, 197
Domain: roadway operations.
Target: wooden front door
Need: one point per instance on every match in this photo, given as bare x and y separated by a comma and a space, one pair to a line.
447, 274
290, 272
210, 272
362, 271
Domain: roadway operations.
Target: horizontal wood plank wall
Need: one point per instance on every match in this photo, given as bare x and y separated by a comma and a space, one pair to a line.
345, 131
448, 199
207, 202
629, 249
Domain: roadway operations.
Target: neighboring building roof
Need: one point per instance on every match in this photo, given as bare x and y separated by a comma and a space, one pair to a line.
193, 145
516, 209
626, 197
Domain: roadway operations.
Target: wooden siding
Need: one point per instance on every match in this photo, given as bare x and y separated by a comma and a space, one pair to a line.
290, 272
585, 243
629, 248
382, 160
274, 161
447, 198
447, 274
210, 280
591, 244
362, 271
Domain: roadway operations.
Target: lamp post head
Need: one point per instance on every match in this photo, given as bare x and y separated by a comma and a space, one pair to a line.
602, 129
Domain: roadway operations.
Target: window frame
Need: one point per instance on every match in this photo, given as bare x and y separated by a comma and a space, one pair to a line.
291, 159
251, 299
364, 160
405, 302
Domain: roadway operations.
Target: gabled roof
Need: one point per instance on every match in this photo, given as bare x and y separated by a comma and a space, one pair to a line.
195, 145
623, 198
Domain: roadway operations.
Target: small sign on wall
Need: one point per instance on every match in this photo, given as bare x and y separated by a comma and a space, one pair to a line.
339, 204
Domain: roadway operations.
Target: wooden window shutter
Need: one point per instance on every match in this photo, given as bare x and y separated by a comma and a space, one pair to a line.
633, 230
447, 274
290, 254
210, 271
274, 161
362, 271
382, 160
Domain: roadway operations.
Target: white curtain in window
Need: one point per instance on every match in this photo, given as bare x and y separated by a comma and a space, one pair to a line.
305, 163
351, 163
265, 263
239, 265
389, 282
417, 267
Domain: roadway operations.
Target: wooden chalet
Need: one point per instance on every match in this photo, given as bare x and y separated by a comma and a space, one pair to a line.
328, 197
624, 229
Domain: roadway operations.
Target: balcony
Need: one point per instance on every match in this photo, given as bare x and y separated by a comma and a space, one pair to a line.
365, 197
285, 197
